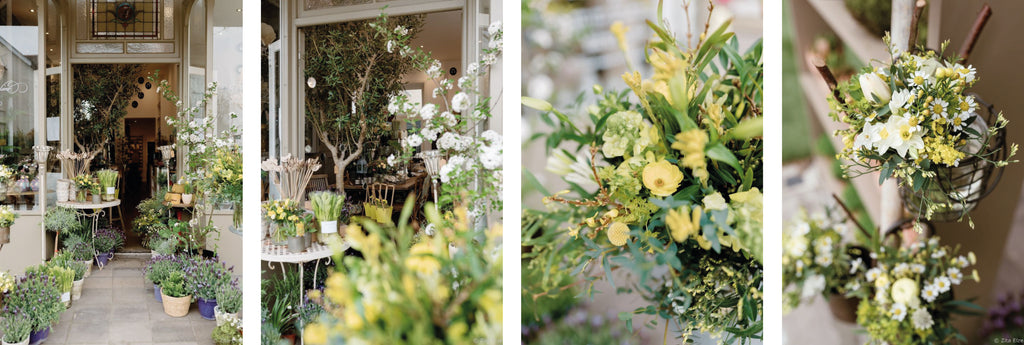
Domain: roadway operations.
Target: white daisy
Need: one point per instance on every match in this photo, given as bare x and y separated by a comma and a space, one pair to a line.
929, 293
959, 120
899, 311
873, 274
942, 284
919, 79
917, 268
955, 276
939, 109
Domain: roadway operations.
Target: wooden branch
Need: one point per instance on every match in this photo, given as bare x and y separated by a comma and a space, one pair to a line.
849, 214
972, 37
918, 10
830, 79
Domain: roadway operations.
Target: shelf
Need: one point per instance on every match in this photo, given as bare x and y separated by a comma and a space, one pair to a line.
865, 45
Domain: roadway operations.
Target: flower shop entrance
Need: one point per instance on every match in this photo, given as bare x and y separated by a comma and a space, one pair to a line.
128, 129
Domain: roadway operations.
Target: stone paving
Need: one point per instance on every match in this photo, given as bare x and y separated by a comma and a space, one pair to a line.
117, 307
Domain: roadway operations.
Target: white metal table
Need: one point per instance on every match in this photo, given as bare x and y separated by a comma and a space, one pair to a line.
97, 212
272, 253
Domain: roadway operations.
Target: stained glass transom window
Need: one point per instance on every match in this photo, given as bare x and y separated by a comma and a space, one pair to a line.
126, 19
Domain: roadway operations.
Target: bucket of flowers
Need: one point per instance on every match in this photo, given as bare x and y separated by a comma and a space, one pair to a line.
84, 184
912, 120
907, 297
7, 217
819, 259
669, 189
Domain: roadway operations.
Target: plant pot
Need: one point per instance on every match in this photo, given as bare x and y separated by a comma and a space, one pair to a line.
96, 198
101, 260
88, 267
5, 234
110, 194
63, 190
37, 337
66, 298
110, 255
156, 293
175, 306
186, 199
23, 342
296, 244
223, 317
843, 308
76, 289
329, 227
308, 237
206, 308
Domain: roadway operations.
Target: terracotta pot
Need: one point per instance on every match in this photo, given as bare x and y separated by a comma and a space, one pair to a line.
175, 306
843, 308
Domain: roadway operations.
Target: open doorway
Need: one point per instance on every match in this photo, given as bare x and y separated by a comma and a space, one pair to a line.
126, 122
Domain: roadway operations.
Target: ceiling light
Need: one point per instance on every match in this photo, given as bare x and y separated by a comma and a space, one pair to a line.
238, 10
32, 10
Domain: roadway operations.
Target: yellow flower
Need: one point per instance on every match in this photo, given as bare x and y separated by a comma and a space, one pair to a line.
662, 178
681, 225
421, 258
714, 202
619, 30
666, 65
315, 333
618, 233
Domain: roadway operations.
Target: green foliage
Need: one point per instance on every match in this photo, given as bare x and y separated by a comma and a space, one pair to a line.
875, 15
79, 248
37, 296
15, 328
229, 299
108, 178
63, 220
327, 206
106, 240
206, 277
350, 66
160, 268
228, 333
102, 93
581, 328
174, 285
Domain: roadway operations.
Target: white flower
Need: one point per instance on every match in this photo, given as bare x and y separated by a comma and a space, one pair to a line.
901, 135
873, 274
460, 102
899, 311
904, 291
428, 111
942, 284
491, 137
473, 68
813, 286
448, 119
392, 160
922, 319
451, 141
494, 43
494, 28
874, 88
939, 109
393, 106
955, 276
428, 132
961, 261
855, 265
391, 46
802, 229
434, 71
917, 268
489, 59
959, 120
823, 260
796, 246
929, 293
900, 268
401, 30
413, 140
465, 82
966, 72
939, 253
430, 230
899, 100
881, 296
490, 158
920, 78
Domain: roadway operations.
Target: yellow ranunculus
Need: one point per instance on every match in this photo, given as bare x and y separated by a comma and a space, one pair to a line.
681, 225
315, 333
662, 178
421, 260
618, 233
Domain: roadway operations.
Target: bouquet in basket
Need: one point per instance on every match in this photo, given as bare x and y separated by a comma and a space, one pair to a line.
912, 120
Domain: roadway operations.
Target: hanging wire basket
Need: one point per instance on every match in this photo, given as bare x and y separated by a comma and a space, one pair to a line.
958, 190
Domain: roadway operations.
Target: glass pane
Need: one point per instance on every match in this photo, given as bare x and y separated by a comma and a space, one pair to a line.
19, 48
227, 62
96, 48
150, 48
197, 35
321, 4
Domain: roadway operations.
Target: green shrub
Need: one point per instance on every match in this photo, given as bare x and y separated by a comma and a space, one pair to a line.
38, 297
174, 285
229, 298
16, 328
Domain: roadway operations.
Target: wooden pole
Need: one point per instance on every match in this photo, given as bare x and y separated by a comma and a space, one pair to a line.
972, 37
902, 19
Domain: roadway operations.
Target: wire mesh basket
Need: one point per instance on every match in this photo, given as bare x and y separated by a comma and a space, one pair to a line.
957, 190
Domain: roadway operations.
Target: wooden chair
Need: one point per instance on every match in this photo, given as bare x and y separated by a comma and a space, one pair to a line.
317, 183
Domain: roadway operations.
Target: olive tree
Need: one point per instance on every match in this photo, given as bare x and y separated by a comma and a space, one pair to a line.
353, 72
103, 93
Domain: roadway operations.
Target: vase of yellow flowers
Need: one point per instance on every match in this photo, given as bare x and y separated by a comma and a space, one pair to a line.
83, 184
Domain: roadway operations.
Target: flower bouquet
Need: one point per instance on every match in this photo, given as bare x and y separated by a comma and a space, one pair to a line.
672, 187
224, 178
287, 216
907, 296
7, 217
412, 289
816, 260
913, 121
108, 183
474, 167
85, 184
327, 207
7, 177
